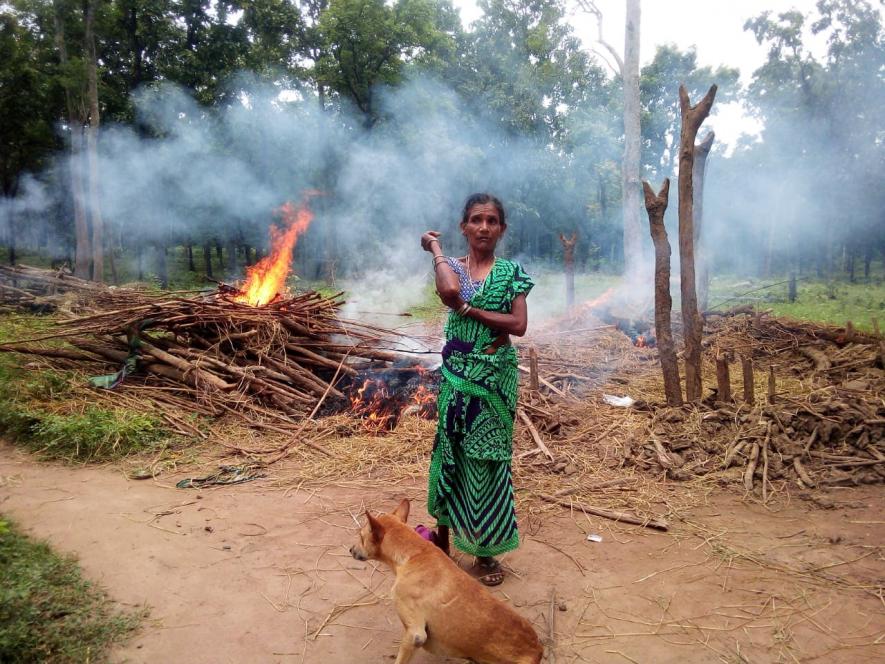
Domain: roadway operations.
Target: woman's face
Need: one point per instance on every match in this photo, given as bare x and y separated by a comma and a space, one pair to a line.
483, 227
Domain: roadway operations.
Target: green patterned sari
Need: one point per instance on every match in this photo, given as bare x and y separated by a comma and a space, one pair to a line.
470, 487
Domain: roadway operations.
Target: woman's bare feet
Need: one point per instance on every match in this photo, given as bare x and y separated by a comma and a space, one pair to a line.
494, 573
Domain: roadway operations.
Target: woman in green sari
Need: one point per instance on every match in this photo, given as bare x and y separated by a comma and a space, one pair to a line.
470, 489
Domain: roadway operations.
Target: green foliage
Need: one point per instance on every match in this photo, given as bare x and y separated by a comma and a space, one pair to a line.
659, 91
48, 611
365, 43
26, 132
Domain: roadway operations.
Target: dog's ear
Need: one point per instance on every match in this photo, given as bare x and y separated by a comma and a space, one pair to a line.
377, 528
402, 510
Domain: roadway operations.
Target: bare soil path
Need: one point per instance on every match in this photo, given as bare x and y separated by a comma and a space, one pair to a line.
256, 573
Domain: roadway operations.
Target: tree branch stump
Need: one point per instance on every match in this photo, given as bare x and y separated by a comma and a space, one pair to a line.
701, 152
723, 378
747, 369
534, 383
568, 248
656, 205
692, 118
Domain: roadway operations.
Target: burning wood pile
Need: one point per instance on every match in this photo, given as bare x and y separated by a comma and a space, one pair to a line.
267, 357
277, 360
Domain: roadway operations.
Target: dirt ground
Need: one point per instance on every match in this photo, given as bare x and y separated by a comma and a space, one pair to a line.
261, 573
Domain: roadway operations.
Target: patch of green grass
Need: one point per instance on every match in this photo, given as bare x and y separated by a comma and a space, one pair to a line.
41, 410
48, 611
832, 302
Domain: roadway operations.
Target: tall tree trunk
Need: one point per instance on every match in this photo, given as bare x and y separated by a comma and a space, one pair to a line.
82, 249
231, 258
207, 259
568, 248
6, 210
189, 249
162, 266
633, 253
95, 218
701, 152
692, 117
115, 277
656, 206
135, 74
219, 252
10, 236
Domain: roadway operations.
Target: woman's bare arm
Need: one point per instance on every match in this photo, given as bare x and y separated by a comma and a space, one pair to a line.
447, 286
514, 323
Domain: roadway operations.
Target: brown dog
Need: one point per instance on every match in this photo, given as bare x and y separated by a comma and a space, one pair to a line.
442, 608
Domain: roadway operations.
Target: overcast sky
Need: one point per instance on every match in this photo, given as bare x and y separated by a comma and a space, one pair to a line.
714, 27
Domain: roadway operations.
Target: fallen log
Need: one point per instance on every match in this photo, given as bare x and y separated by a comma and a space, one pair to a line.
534, 433
821, 361
623, 517
751, 467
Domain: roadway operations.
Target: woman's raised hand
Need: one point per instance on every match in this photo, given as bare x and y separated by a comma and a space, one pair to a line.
429, 239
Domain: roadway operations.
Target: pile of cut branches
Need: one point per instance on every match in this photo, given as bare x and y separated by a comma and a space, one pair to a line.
37, 290
270, 365
818, 417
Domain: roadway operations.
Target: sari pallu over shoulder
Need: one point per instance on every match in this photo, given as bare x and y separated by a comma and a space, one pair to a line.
470, 374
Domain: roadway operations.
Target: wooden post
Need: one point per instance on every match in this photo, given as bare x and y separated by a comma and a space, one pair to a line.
568, 247
791, 293
701, 152
849, 332
723, 379
772, 384
534, 383
656, 205
692, 117
747, 368
876, 326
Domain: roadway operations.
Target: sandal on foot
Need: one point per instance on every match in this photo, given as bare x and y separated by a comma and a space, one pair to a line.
494, 575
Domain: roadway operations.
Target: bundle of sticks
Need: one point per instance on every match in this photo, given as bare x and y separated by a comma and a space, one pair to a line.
272, 362
38, 290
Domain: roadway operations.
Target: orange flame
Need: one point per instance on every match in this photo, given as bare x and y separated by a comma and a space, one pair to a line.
589, 305
380, 409
267, 278
372, 403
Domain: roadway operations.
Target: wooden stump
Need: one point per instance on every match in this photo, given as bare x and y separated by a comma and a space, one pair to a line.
534, 383
656, 205
692, 118
723, 378
749, 390
568, 247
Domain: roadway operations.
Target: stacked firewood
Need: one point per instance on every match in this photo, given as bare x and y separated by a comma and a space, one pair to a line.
277, 361
40, 291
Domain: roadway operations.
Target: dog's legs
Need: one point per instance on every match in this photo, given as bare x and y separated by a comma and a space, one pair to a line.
413, 638
415, 632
